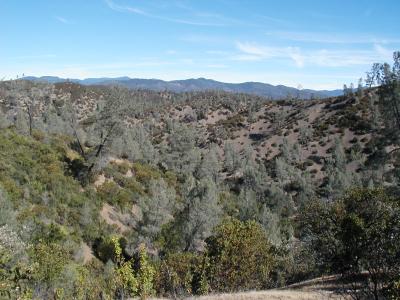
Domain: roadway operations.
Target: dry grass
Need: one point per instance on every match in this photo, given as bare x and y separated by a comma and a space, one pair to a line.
272, 295
321, 288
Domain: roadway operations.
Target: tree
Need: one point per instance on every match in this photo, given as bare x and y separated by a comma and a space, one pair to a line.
345, 90
30, 106
232, 158
248, 206
388, 79
181, 154
145, 275
372, 76
121, 277
157, 209
358, 233
338, 177
240, 255
360, 88
210, 165
104, 126
201, 212
182, 274
50, 259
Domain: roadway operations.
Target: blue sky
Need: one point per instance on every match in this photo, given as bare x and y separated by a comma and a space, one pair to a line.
315, 44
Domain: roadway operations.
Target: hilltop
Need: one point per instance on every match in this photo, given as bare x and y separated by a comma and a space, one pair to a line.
199, 84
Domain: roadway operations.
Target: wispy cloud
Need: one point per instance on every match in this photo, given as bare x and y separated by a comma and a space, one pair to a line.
200, 20
205, 39
63, 20
329, 38
385, 53
218, 52
322, 57
217, 66
276, 21
255, 52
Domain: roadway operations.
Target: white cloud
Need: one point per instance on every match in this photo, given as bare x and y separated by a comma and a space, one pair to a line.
254, 52
252, 49
217, 66
323, 57
217, 52
296, 56
330, 38
205, 39
63, 20
218, 22
385, 53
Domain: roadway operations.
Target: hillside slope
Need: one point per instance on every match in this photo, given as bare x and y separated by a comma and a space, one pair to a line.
145, 186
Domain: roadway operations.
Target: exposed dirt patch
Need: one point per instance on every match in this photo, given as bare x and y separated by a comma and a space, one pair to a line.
112, 217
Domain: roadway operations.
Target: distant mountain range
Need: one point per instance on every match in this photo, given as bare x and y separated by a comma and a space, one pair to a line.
199, 84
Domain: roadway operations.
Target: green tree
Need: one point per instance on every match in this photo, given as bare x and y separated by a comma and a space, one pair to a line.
180, 274
232, 159
49, 261
157, 209
201, 212
358, 233
145, 275
241, 257
388, 79
121, 277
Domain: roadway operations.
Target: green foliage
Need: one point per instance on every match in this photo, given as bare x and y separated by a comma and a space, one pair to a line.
122, 279
181, 274
127, 279
145, 275
144, 172
179, 178
14, 279
357, 233
157, 209
109, 248
113, 194
394, 290
49, 261
201, 212
33, 176
233, 122
241, 257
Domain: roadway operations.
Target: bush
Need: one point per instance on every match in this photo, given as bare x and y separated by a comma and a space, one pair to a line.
355, 234
145, 274
178, 274
240, 255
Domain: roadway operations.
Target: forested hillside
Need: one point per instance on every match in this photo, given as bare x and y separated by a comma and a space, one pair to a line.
198, 84
108, 193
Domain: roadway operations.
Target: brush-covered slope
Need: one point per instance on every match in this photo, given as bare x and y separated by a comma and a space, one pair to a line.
93, 175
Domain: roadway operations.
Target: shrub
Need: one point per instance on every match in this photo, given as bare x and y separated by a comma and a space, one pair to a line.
145, 275
178, 274
355, 234
240, 256
143, 173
